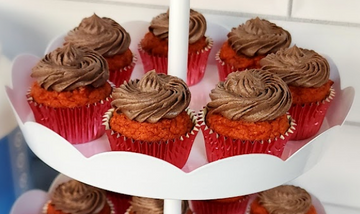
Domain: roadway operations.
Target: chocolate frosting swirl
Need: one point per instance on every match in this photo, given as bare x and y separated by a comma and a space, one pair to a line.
104, 35
78, 198
70, 67
140, 205
250, 95
258, 37
298, 66
152, 98
286, 199
159, 26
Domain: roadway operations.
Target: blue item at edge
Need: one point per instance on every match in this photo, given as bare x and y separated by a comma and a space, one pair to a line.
14, 169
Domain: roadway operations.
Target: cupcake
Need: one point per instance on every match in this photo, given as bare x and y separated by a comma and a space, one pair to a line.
111, 40
153, 48
234, 205
121, 202
74, 197
247, 114
248, 43
142, 205
283, 199
307, 75
151, 116
71, 93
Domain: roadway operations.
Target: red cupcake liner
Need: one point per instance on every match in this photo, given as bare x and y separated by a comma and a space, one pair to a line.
197, 63
117, 77
219, 146
121, 202
77, 125
217, 207
310, 117
175, 151
223, 69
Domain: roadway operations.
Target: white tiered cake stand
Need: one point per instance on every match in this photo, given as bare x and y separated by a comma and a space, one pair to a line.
136, 174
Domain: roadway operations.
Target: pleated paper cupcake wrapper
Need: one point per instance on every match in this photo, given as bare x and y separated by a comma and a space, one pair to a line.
117, 77
223, 69
175, 151
77, 125
110, 203
197, 63
309, 117
120, 201
216, 207
219, 146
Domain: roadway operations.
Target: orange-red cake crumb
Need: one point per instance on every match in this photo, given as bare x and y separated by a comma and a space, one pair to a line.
256, 208
302, 95
165, 129
159, 47
70, 99
52, 210
239, 62
238, 129
119, 61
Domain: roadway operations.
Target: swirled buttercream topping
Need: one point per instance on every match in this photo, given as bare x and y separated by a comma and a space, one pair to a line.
258, 37
152, 98
104, 35
78, 198
159, 26
140, 205
250, 95
298, 66
70, 67
286, 199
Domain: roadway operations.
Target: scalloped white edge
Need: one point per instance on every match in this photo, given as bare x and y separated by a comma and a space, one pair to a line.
142, 175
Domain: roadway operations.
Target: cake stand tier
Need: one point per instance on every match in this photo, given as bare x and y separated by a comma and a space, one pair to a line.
142, 175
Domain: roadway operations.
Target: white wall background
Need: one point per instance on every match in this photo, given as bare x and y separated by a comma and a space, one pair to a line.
330, 27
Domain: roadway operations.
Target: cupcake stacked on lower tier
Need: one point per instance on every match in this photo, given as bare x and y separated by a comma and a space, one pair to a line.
307, 75
71, 92
233, 205
151, 116
73, 197
247, 114
143, 205
153, 48
283, 199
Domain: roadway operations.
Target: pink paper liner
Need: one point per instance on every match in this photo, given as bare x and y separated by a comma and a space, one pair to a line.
117, 77
77, 125
121, 202
196, 63
310, 117
175, 151
112, 208
215, 207
219, 146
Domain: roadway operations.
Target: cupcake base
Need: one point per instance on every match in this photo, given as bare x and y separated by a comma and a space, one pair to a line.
117, 77
219, 146
217, 207
77, 125
197, 63
175, 151
309, 117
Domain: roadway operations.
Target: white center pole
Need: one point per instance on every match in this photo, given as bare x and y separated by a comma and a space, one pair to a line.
178, 38
172, 206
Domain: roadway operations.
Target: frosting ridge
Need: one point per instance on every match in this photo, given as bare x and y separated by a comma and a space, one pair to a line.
78, 198
258, 37
298, 66
70, 67
104, 35
159, 26
152, 98
286, 199
141, 205
250, 95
